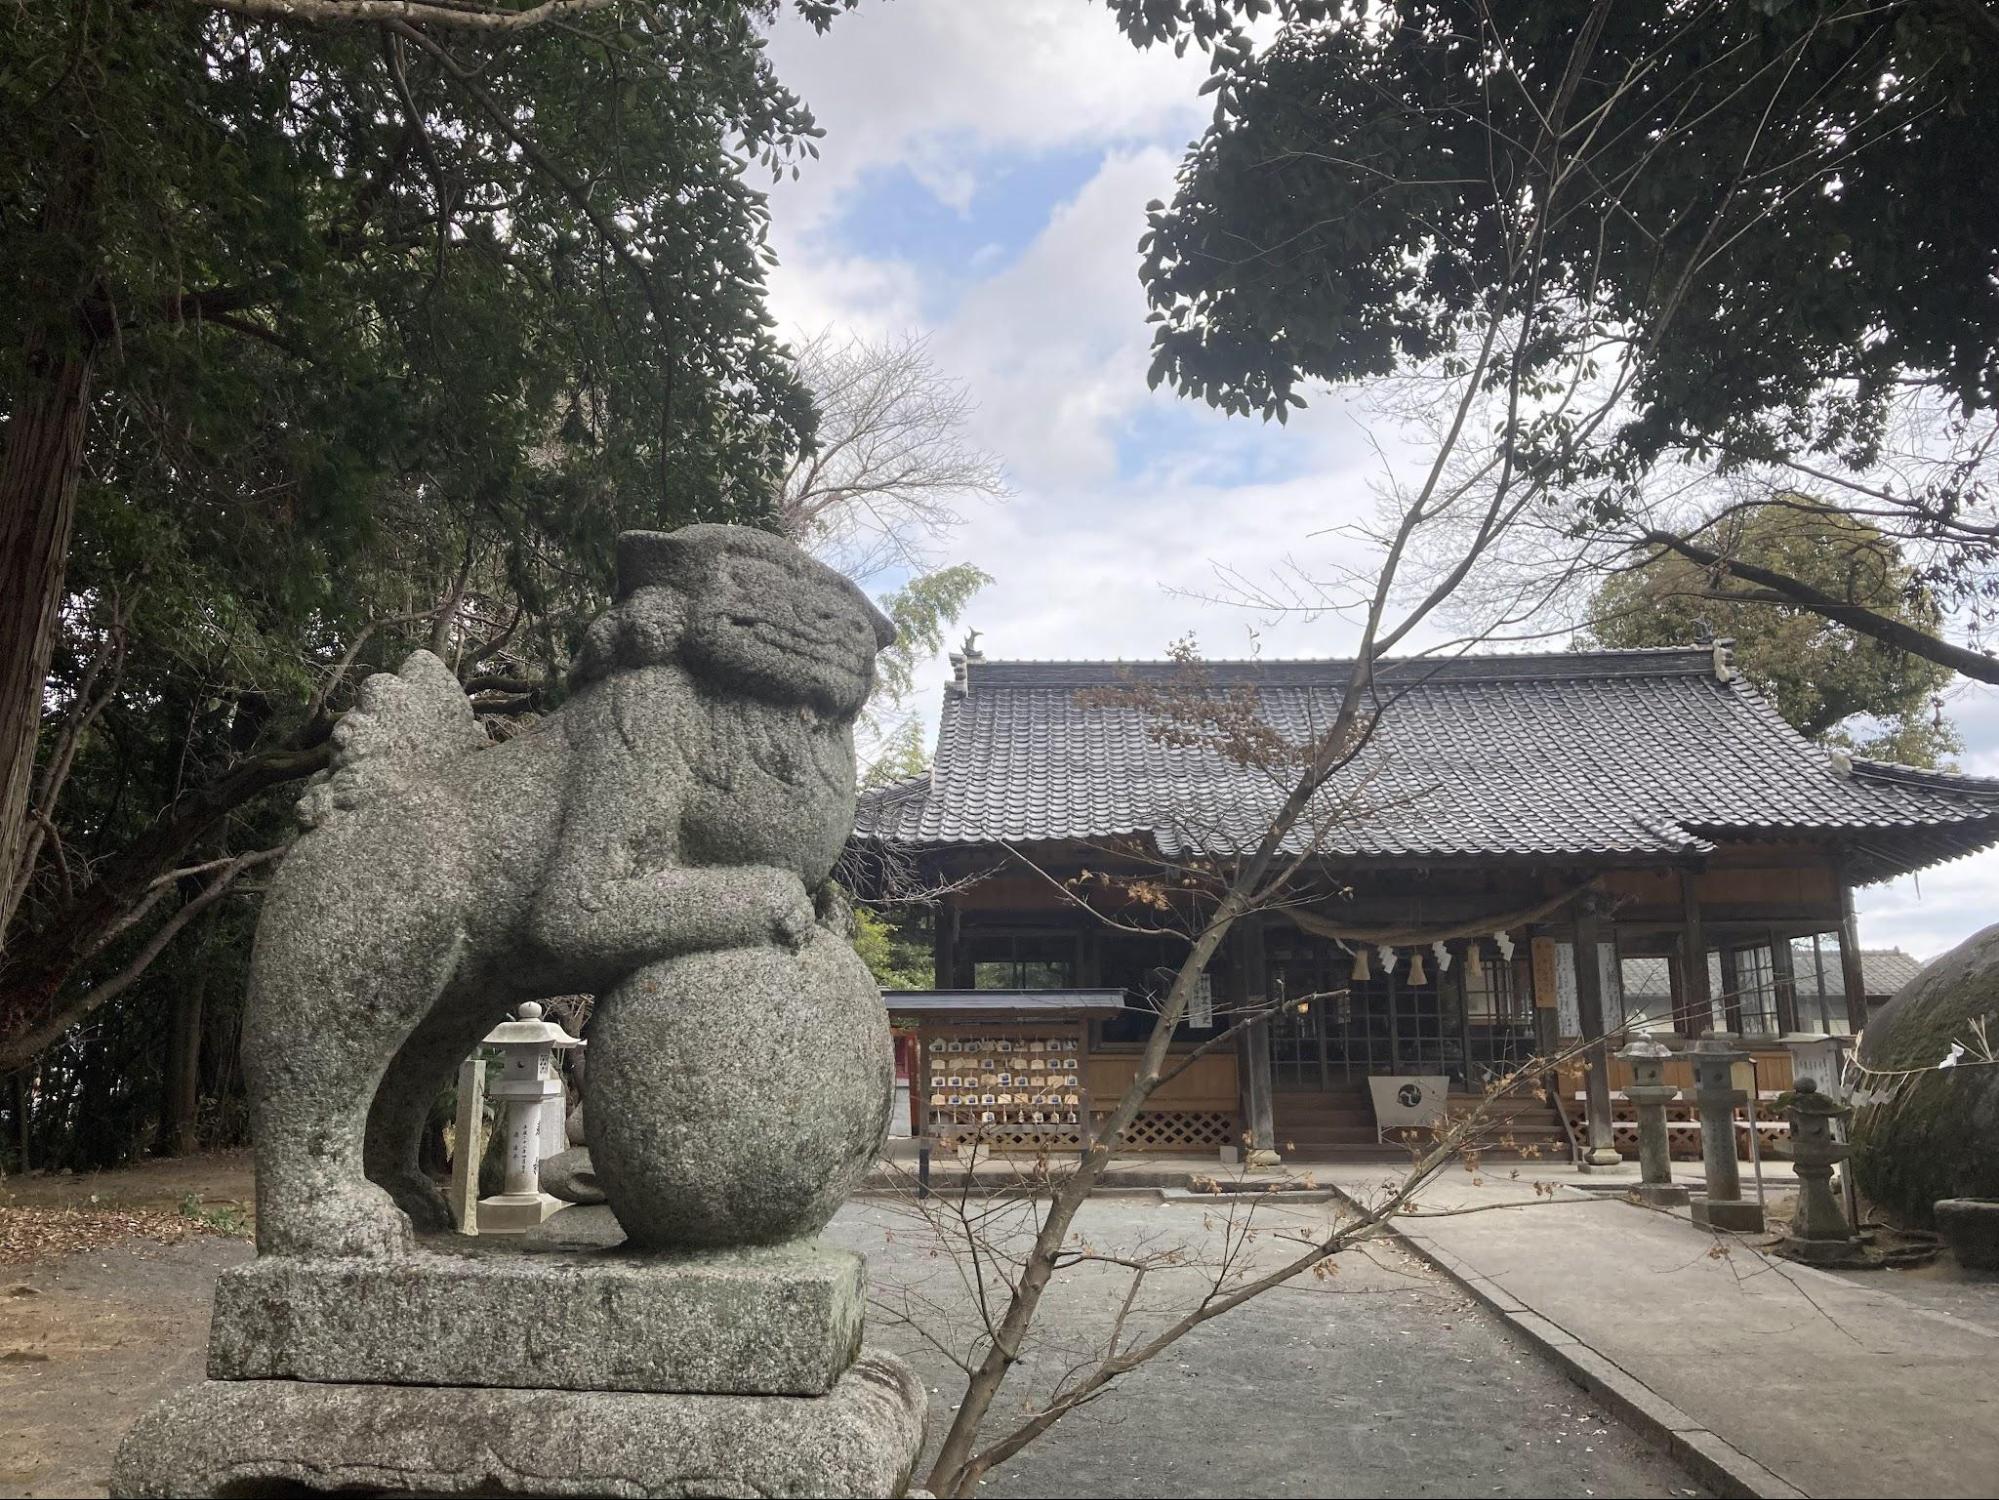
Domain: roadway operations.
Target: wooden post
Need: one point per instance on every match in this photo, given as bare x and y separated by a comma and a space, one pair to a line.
1695, 993
944, 969
1851, 973
1589, 1008
1818, 986
1256, 996
468, 1145
1731, 990
1456, 978
1784, 976
1089, 959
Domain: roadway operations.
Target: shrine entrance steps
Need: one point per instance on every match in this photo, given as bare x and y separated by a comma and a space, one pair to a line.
1340, 1120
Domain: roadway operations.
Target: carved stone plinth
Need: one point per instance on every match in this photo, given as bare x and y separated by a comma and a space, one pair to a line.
777, 1321
238, 1437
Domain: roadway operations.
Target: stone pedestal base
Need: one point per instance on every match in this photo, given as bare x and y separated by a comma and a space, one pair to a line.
1662, 1194
781, 1320
242, 1437
1970, 1226
516, 1213
1818, 1252
1262, 1159
1600, 1157
1739, 1214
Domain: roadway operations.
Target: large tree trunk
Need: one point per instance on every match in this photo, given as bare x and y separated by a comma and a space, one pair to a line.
41, 455
178, 1133
40, 458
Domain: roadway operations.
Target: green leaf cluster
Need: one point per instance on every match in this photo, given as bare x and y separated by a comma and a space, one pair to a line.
1806, 186
1828, 682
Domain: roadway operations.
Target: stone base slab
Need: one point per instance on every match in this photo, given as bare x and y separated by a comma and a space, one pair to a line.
778, 1321
279, 1436
1738, 1214
510, 1214
1816, 1252
1663, 1194
1970, 1226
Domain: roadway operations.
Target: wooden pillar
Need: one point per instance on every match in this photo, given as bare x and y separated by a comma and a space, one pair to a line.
1258, 1085
1695, 994
944, 974
1784, 976
1090, 958
1589, 1007
1818, 985
1849, 960
1731, 990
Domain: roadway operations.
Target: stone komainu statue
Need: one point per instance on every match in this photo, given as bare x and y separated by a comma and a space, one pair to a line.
663, 840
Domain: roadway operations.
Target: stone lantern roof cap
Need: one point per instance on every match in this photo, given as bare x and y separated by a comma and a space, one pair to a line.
530, 1028
1644, 1047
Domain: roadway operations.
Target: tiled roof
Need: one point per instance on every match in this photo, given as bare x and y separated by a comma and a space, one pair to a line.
1614, 755
1882, 970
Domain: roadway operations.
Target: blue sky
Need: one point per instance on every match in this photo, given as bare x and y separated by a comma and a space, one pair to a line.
983, 181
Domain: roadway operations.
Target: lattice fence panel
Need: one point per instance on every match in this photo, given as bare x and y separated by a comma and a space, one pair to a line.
1182, 1130
953, 1134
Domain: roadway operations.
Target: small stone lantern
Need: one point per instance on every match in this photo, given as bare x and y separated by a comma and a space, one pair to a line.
527, 1080
1819, 1231
1650, 1092
1714, 1058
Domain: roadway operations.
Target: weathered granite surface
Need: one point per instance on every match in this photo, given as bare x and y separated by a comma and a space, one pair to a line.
282, 1436
1970, 1226
784, 1320
689, 797
1931, 1133
780, 1073
571, 1176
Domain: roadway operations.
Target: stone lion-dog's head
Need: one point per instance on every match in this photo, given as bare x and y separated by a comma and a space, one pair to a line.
743, 610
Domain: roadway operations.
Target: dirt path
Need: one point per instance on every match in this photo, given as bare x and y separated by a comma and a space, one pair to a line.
96, 1323
88, 1342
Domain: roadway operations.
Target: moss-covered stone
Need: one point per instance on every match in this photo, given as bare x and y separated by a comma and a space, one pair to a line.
1932, 1134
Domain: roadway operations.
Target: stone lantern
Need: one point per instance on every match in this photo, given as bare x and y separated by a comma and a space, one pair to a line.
1823, 1059
1819, 1231
1714, 1058
1650, 1092
526, 1082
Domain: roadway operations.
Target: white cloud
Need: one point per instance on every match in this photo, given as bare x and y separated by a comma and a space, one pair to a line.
1056, 343
1928, 913
929, 85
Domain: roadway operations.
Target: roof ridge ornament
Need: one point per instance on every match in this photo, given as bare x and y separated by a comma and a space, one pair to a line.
1842, 762
1725, 669
961, 663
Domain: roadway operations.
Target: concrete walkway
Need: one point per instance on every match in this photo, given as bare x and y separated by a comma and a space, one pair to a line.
1764, 1376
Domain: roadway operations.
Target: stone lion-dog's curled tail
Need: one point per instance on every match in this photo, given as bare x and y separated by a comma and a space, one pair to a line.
399, 727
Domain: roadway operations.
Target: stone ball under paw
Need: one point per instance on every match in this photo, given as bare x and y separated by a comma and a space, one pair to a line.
738, 1097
